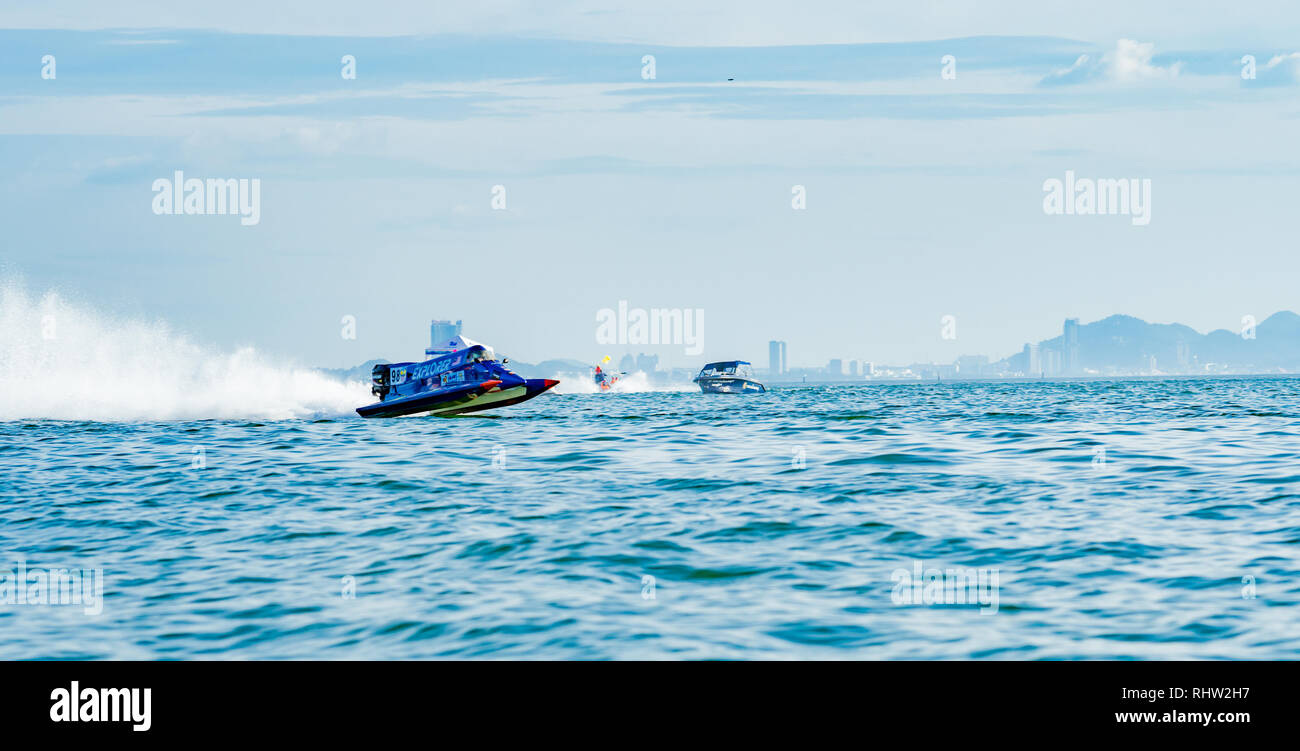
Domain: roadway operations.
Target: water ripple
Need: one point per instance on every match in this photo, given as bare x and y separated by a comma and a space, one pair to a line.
1127, 519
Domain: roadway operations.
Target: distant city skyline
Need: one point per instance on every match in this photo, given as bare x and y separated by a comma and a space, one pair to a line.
1152, 354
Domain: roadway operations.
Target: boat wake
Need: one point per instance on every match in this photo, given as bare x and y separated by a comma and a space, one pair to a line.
62, 361
632, 383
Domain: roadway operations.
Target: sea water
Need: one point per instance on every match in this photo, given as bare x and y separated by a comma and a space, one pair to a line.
1150, 519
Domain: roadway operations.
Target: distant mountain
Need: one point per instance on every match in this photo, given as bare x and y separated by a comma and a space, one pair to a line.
1124, 343
358, 373
1276, 344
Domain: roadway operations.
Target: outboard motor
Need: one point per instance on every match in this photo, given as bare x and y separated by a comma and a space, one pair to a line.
379, 381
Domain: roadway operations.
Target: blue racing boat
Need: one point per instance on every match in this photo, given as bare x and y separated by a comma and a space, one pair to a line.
466, 380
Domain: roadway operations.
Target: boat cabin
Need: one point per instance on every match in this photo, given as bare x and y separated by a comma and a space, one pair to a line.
727, 369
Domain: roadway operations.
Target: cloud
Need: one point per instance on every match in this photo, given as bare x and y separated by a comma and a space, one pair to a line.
1082, 70
1128, 62
1131, 61
1281, 70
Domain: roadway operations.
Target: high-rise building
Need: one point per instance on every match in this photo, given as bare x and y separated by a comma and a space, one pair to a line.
441, 337
853, 368
1070, 348
1033, 364
627, 364
868, 369
835, 368
1051, 361
776, 363
647, 363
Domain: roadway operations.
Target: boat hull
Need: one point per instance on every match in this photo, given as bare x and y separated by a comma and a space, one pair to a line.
499, 397
470, 398
730, 386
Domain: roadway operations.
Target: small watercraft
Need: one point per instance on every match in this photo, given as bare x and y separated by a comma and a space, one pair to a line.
468, 379
604, 380
729, 377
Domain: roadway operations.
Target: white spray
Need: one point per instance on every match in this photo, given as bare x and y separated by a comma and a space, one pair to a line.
65, 362
575, 383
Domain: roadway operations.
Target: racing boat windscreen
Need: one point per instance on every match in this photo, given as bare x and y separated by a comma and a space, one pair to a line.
734, 368
480, 353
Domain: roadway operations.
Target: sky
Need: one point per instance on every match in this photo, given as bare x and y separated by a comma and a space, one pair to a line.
923, 193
